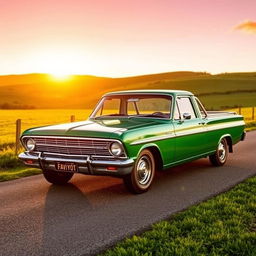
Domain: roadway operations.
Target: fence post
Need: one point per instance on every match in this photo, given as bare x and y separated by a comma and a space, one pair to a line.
252, 113
18, 132
239, 110
72, 118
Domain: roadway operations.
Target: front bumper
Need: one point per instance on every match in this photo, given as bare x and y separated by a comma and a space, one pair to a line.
85, 164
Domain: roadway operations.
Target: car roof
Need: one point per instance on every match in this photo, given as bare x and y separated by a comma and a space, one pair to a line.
158, 92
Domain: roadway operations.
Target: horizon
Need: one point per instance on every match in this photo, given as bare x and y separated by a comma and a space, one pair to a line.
67, 77
128, 76
128, 38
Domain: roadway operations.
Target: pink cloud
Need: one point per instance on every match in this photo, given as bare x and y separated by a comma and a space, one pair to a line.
247, 26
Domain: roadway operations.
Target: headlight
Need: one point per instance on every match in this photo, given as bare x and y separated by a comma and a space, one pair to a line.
30, 144
116, 149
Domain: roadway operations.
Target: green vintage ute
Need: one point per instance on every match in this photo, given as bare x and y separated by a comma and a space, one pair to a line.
131, 135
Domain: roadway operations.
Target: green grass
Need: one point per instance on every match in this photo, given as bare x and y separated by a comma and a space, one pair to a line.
17, 172
12, 168
8, 159
250, 126
224, 225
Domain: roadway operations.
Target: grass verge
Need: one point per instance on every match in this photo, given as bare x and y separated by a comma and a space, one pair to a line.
11, 167
8, 159
250, 126
224, 225
18, 172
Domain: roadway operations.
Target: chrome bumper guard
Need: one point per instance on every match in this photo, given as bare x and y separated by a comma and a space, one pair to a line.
85, 164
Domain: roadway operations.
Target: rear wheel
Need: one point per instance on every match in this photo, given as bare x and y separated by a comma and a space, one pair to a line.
59, 178
219, 158
141, 177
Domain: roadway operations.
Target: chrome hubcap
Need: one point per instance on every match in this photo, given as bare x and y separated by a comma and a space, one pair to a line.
222, 152
144, 170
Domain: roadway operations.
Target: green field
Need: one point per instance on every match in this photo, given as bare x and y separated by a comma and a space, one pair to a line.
41, 91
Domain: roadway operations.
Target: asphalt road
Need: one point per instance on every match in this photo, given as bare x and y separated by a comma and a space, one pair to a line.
92, 213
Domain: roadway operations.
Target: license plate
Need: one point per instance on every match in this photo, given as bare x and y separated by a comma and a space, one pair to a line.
66, 167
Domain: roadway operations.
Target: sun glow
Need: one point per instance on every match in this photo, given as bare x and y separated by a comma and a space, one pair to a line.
59, 76
60, 63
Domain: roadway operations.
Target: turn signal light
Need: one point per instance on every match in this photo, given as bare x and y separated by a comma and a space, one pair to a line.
111, 168
29, 161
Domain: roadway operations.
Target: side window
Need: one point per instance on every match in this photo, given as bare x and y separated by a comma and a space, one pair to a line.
201, 108
185, 106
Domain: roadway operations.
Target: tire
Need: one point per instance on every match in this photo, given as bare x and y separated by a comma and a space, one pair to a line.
219, 158
142, 175
58, 178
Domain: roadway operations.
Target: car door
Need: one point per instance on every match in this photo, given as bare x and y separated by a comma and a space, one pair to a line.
189, 130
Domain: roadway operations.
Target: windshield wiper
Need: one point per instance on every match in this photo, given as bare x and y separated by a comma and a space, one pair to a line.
110, 115
151, 115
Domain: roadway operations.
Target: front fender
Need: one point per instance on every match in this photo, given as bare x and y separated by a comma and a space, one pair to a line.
148, 145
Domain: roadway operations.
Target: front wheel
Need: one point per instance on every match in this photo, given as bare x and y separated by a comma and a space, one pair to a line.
58, 178
219, 158
141, 177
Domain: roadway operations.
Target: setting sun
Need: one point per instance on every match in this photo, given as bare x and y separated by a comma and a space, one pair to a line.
60, 76
60, 63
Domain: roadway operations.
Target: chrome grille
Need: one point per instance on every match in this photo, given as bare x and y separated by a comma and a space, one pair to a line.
73, 146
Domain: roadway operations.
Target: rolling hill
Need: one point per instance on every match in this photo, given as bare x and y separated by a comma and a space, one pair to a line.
82, 91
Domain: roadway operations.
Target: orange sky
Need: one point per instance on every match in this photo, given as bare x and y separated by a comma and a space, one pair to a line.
127, 37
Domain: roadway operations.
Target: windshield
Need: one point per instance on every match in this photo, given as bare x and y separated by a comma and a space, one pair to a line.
156, 106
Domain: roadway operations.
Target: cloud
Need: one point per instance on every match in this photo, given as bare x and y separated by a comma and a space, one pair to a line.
247, 26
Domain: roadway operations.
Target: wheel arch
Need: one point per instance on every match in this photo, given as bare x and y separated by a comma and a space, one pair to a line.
228, 137
154, 149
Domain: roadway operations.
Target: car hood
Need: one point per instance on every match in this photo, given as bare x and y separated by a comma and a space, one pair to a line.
101, 128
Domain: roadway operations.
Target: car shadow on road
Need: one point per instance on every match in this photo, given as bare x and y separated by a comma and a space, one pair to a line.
61, 204
80, 198
86, 195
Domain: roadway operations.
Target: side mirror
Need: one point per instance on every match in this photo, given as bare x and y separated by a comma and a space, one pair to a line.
186, 116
